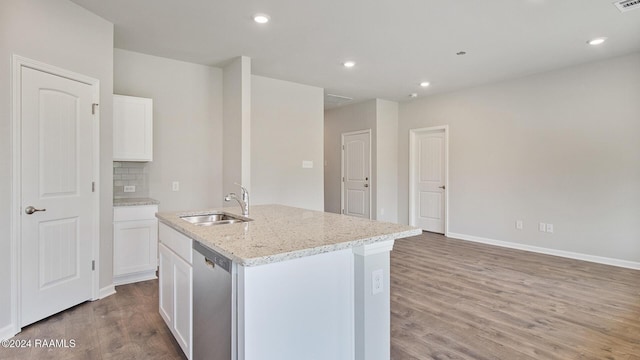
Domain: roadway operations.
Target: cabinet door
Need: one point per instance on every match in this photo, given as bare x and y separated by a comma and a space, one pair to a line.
132, 128
134, 246
183, 295
165, 285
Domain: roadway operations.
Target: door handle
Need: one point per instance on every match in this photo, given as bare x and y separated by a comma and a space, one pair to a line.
30, 210
366, 185
441, 187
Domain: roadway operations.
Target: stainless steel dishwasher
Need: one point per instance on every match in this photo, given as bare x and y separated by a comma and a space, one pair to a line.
212, 305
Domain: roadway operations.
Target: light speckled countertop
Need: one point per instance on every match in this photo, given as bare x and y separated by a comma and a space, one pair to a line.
279, 233
135, 202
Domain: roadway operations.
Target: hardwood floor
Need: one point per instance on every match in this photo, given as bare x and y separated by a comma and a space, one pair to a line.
126, 325
450, 299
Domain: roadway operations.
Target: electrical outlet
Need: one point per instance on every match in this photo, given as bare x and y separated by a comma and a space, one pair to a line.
549, 228
129, 188
542, 227
307, 164
175, 186
377, 282
519, 224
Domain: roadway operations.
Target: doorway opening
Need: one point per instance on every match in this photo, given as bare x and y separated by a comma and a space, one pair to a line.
356, 174
428, 178
55, 200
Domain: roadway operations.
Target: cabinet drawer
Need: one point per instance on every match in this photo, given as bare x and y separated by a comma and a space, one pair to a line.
175, 241
131, 213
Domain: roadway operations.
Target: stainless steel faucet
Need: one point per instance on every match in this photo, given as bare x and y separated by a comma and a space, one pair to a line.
244, 201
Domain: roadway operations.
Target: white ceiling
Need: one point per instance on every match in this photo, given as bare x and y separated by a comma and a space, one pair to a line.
396, 44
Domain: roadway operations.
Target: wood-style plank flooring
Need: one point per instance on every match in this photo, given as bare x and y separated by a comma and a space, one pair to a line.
126, 325
452, 299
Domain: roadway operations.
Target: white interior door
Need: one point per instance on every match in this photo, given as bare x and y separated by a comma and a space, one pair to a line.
428, 179
356, 165
56, 181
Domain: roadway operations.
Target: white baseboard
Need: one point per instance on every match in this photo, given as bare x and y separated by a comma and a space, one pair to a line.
107, 291
536, 249
136, 277
8, 332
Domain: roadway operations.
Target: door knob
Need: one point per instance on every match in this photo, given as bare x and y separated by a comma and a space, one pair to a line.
30, 210
441, 187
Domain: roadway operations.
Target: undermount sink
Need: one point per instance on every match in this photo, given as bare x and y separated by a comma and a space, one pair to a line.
216, 218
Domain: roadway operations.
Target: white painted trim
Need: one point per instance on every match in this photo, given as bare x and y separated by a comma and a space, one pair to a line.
7, 332
367, 131
107, 291
16, 190
17, 62
96, 291
352, 306
412, 158
135, 277
375, 248
548, 251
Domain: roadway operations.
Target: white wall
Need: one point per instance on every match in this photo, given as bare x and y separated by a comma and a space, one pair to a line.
236, 126
187, 126
360, 116
286, 128
387, 160
560, 147
62, 34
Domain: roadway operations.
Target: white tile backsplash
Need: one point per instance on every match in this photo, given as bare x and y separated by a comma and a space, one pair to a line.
130, 173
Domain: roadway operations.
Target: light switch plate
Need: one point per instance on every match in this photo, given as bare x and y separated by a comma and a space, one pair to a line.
129, 188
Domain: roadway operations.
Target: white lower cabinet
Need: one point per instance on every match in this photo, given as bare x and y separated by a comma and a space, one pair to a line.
175, 286
135, 244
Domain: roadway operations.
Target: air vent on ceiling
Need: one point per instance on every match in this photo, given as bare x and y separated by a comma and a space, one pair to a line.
627, 5
333, 99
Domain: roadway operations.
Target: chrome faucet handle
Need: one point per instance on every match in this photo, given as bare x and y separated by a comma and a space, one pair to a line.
245, 193
244, 203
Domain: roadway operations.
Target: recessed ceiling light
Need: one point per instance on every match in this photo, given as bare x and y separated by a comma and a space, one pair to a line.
597, 41
261, 18
349, 64
424, 84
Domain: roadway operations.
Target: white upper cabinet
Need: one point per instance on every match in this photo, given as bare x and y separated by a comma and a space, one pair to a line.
132, 128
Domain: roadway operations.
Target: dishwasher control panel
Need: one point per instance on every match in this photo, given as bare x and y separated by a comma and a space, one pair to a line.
212, 257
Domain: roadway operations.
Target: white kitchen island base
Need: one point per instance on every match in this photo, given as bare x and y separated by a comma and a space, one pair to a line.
316, 307
305, 284
297, 309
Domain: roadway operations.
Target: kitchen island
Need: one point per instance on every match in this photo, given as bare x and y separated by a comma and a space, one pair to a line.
306, 284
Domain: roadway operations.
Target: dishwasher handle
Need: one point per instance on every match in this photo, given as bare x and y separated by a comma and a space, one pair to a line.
213, 259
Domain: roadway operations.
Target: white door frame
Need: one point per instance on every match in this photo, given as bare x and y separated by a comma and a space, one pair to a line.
15, 233
412, 165
371, 187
